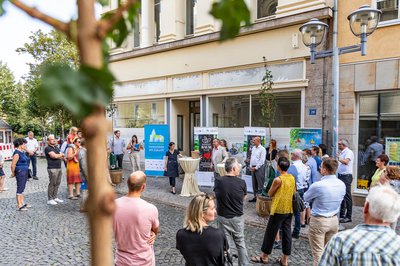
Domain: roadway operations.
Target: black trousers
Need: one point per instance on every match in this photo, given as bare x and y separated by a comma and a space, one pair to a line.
119, 158
274, 223
172, 181
258, 179
346, 207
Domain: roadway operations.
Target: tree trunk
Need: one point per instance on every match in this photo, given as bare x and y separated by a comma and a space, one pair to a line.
62, 135
101, 195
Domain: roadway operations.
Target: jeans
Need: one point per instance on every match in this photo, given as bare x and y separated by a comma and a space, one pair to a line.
33, 160
54, 182
347, 204
120, 158
21, 175
297, 223
234, 229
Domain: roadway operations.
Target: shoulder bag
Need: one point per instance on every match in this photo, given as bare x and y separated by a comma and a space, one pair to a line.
298, 204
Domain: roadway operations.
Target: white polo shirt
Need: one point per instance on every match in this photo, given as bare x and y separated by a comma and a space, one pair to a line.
346, 169
31, 144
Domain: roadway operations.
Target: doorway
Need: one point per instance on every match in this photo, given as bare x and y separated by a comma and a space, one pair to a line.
194, 120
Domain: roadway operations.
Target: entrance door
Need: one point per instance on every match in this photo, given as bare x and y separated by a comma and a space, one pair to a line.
194, 120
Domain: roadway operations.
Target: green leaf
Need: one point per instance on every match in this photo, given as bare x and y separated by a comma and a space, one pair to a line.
2, 11
79, 91
232, 13
103, 2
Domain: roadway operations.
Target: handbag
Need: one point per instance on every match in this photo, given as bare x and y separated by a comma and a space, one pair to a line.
298, 204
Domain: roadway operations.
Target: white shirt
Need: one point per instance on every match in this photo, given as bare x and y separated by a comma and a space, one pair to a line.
258, 155
32, 144
302, 177
346, 169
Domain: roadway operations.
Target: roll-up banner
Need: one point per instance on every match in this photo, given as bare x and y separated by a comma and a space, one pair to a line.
203, 139
156, 145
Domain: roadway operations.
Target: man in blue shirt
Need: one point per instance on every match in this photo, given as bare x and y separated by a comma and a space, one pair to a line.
326, 197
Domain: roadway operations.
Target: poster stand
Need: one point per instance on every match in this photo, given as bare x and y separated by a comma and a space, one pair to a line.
156, 139
203, 139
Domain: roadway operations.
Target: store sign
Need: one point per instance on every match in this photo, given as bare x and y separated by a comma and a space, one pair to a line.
156, 145
393, 150
305, 138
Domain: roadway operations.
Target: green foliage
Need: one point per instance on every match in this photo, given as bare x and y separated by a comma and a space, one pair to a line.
123, 26
10, 93
232, 13
267, 98
79, 91
2, 11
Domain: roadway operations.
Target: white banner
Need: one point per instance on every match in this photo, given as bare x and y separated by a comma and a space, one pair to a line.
205, 179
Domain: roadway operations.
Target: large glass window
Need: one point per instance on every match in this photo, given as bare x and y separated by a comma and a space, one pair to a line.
266, 8
389, 8
379, 120
157, 14
137, 114
190, 12
229, 111
288, 111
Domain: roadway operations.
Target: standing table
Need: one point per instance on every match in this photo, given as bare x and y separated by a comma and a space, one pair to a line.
189, 187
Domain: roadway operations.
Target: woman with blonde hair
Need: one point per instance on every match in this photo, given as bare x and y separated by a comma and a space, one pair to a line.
391, 176
199, 243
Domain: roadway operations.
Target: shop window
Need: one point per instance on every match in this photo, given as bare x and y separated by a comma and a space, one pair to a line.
379, 119
1, 137
190, 13
389, 8
266, 8
233, 111
288, 111
137, 114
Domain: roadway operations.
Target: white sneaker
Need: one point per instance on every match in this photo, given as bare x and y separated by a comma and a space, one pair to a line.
58, 200
52, 202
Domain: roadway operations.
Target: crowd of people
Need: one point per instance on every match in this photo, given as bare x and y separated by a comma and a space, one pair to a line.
214, 224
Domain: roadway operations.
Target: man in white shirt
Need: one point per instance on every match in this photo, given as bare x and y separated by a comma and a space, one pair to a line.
345, 173
257, 167
32, 146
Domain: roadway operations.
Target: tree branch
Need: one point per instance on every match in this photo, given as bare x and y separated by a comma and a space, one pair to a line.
105, 25
35, 13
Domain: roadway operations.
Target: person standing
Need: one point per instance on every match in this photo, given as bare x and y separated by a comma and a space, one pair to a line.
134, 156
84, 173
73, 133
381, 163
171, 165
117, 147
73, 173
315, 154
219, 154
312, 163
323, 153
326, 197
371, 154
345, 173
19, 170
32, 146
199, 243
257, 167
230, 192
302, 185
135, 225
371, 243
54, 158
2, 176
281, 191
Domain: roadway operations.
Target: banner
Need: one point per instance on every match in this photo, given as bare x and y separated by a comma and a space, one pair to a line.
305, 138
203, 142
393, 150
156, 145
249, 134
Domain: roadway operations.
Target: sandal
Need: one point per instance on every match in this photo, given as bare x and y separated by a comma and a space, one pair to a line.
22, 208
78, 195
280, 262
258, 259
27, 206
72, 198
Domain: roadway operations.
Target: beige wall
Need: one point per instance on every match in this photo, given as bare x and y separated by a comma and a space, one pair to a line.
383, 43
249, 49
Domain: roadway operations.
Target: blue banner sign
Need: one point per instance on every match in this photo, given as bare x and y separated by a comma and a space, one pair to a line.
156, 145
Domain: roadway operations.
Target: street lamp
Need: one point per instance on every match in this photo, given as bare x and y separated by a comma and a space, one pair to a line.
363, 22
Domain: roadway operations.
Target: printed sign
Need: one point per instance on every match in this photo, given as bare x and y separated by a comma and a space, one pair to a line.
156, 139
305, 138
203, 142
393, 150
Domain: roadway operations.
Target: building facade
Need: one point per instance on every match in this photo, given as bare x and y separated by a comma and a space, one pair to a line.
173, 69
370, 86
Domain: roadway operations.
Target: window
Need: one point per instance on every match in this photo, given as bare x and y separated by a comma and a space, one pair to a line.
389, 8
379, 118
136, 31
180, 132
137, 114
288, 110
190, 12
229, 111
1, 137
266, 8
157, 13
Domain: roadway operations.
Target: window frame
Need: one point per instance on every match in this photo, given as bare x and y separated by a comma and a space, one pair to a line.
391, 22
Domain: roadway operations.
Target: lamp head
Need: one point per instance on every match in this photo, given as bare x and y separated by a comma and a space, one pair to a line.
313, 32
364, 20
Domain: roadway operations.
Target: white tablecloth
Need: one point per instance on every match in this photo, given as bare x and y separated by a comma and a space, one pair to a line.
221, 169
189, 187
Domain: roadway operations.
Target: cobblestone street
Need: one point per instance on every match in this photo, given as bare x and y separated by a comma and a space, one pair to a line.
59, 235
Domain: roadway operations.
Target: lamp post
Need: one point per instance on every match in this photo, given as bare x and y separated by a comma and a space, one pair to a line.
363, 22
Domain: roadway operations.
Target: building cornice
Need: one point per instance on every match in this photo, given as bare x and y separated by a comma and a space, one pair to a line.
261, 26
